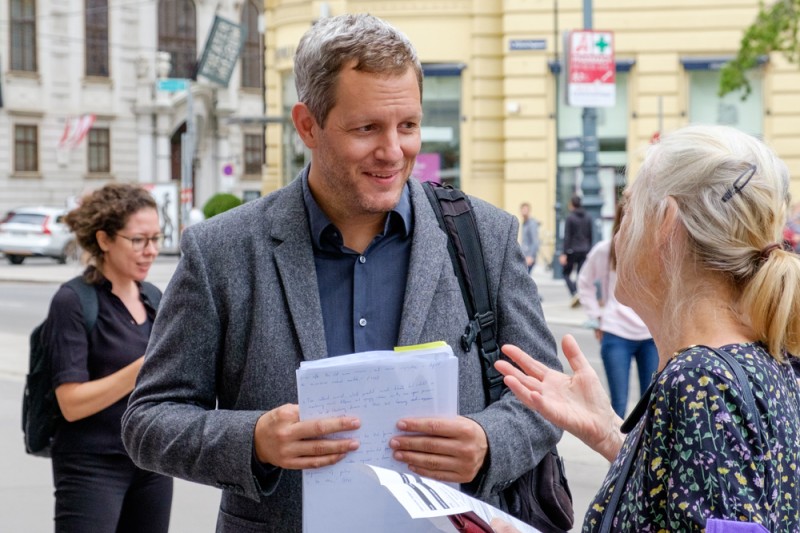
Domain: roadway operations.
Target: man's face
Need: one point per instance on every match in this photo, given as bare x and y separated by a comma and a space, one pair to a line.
364, 155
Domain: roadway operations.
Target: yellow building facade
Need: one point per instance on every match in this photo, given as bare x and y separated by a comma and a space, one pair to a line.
496, 124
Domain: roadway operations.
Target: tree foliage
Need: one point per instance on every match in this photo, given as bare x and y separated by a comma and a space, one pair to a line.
219, 203
774, 30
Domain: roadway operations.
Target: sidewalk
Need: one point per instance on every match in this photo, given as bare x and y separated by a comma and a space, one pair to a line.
43, 270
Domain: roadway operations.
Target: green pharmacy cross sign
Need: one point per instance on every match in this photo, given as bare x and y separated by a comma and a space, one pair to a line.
601, 43
224, 44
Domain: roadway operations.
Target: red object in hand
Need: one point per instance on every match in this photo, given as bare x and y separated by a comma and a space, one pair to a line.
469, 522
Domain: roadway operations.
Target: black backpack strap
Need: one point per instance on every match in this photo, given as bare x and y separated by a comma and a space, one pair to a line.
152, 294
88, 297
454, 213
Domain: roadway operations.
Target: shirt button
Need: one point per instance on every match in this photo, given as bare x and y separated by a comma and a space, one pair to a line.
362, 322
362, 259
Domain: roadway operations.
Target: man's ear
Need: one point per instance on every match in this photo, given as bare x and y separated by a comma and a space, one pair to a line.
305, 124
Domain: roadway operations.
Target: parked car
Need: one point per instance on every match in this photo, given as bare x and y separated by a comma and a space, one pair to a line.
37, 231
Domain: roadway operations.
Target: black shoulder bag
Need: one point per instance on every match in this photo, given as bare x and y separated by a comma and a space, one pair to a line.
540, 497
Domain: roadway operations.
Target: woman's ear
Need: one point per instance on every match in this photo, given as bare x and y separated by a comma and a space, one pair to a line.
305, 124
670, 224
103, 240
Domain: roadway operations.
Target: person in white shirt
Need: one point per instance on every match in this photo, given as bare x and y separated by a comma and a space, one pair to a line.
622, 335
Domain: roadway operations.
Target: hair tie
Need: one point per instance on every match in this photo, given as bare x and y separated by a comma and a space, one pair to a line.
768, 249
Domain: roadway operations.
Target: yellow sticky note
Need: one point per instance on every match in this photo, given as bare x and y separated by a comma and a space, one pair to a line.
425, 346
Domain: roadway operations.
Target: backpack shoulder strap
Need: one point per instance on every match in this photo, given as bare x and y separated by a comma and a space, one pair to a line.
88, 297
152, 294
454, 213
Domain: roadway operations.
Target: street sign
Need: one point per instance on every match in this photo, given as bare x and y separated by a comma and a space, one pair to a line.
591, 71
527, 44
171, 85
222, 50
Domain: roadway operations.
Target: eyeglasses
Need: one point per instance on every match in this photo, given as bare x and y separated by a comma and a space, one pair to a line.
140, 243
738, 184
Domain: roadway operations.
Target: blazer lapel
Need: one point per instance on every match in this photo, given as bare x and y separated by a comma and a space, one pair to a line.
294, 259
428, 253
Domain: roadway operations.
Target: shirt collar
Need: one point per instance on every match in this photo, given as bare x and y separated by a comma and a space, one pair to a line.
319, 221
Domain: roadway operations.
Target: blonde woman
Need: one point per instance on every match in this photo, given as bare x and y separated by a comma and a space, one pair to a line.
700, 260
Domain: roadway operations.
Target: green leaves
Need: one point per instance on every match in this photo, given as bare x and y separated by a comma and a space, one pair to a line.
774, 30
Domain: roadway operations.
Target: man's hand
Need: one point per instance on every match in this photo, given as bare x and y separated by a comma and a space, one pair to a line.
445, 449
500, 526
562, 259
281, 439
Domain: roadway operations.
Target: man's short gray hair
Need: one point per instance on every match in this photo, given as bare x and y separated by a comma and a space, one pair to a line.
373, 44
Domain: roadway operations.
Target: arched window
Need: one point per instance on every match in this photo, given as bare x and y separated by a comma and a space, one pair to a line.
96, 38
252, 66
22, 29
177, 34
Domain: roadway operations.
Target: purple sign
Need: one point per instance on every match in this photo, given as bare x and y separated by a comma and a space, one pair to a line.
427, 167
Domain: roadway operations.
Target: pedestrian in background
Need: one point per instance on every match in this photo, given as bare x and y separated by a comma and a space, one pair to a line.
97, 486
349, 257
623, 336
576, 245
700, 259
530, 236
791, 231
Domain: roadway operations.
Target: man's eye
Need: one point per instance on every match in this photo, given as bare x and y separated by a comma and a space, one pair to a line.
137, 241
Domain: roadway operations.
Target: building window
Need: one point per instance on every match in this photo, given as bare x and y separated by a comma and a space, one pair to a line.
253, 153
99, 153
707, 107
97, 38
439, 158
26, 148
177, 34
22, 28
252, 69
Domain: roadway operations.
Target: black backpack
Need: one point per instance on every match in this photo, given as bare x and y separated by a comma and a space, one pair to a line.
40, 412
540, 497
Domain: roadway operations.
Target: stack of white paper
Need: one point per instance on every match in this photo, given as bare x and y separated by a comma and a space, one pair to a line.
369, 490
379, 388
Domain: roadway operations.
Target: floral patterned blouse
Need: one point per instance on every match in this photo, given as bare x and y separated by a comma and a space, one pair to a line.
700, 456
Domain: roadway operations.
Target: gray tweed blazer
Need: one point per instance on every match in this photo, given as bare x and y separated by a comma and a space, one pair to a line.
242, 310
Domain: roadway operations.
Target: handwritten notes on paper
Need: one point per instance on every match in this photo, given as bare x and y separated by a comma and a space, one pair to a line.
379, 388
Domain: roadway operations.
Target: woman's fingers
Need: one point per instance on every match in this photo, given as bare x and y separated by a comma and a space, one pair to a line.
577, 361
528, 364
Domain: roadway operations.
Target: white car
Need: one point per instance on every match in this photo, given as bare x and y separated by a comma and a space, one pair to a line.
37, 231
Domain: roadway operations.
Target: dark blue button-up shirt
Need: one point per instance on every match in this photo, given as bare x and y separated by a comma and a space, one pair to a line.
361, 294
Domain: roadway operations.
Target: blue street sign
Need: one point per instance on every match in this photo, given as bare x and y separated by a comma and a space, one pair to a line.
171, 85
527, 44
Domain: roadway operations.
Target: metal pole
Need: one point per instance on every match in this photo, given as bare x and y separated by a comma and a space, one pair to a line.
558, 206
590, 184
187, 157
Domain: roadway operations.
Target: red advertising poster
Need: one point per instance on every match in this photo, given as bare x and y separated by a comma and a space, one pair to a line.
591, 72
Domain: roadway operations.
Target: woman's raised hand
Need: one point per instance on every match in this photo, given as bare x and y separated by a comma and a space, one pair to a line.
577, 403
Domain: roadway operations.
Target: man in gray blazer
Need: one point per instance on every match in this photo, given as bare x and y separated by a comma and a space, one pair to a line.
348, 257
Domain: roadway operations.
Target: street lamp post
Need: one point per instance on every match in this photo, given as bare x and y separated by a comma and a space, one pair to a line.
558, 207
590, 184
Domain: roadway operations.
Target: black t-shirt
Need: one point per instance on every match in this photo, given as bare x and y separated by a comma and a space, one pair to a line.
115, 341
